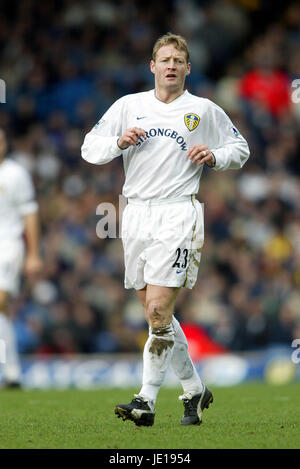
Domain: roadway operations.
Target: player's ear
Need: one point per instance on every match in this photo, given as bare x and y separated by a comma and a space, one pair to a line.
152, 66
188, 68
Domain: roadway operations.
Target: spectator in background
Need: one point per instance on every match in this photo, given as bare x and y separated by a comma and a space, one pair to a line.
265, 85
18, 215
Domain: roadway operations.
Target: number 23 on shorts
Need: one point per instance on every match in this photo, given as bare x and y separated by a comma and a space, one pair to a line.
181, 255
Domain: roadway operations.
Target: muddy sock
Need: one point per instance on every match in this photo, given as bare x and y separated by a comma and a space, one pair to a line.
182, 364
156, 360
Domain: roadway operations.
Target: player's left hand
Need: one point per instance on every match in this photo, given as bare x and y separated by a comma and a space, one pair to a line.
33, 265
201, 154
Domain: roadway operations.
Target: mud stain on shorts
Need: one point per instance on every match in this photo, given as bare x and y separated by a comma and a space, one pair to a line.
195, 257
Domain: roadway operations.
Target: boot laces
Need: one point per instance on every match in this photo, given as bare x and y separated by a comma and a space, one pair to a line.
188, 404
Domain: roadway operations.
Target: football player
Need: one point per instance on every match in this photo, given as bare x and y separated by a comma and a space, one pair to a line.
18, 220
165, 137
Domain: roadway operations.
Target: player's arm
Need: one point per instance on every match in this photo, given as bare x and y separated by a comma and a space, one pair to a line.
27, 206
100, 144
108, 138
33, 262
224, 147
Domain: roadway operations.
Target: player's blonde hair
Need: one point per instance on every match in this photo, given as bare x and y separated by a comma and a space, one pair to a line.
178, 41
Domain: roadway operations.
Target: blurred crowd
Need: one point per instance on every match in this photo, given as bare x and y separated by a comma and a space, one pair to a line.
64, 63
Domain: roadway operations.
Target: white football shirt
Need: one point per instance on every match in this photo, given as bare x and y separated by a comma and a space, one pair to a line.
17, 198
158, 166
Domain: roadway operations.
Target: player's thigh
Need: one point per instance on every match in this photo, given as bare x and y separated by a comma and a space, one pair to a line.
160, 302
11, 263
175, 243
142, 295
134, 242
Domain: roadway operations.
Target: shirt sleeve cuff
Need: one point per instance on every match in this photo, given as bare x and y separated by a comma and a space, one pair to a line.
215, 161
115, 149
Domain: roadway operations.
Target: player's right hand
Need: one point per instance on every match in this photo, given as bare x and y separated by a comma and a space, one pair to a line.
130, 137
33, 265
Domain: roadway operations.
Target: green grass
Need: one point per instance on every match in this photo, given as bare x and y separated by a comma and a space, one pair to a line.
246, 416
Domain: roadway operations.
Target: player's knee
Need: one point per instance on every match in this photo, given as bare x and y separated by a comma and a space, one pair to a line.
157, 314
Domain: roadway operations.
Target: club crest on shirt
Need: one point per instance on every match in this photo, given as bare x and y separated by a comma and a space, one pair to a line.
191, 120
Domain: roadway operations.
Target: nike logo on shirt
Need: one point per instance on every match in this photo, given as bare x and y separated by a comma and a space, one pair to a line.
139, 118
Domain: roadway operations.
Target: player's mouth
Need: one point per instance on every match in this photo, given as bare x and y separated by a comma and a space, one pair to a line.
171, 75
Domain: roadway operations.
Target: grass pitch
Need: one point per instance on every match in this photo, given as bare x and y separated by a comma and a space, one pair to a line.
246, 416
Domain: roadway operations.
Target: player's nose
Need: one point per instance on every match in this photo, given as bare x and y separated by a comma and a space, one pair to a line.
171, 68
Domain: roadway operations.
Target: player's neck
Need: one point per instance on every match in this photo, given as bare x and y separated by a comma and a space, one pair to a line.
167, 96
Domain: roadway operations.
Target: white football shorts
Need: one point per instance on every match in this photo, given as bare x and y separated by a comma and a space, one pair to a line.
162, 242
11, 264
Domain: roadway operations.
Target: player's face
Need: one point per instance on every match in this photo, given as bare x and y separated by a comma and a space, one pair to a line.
170, 68
3, 145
